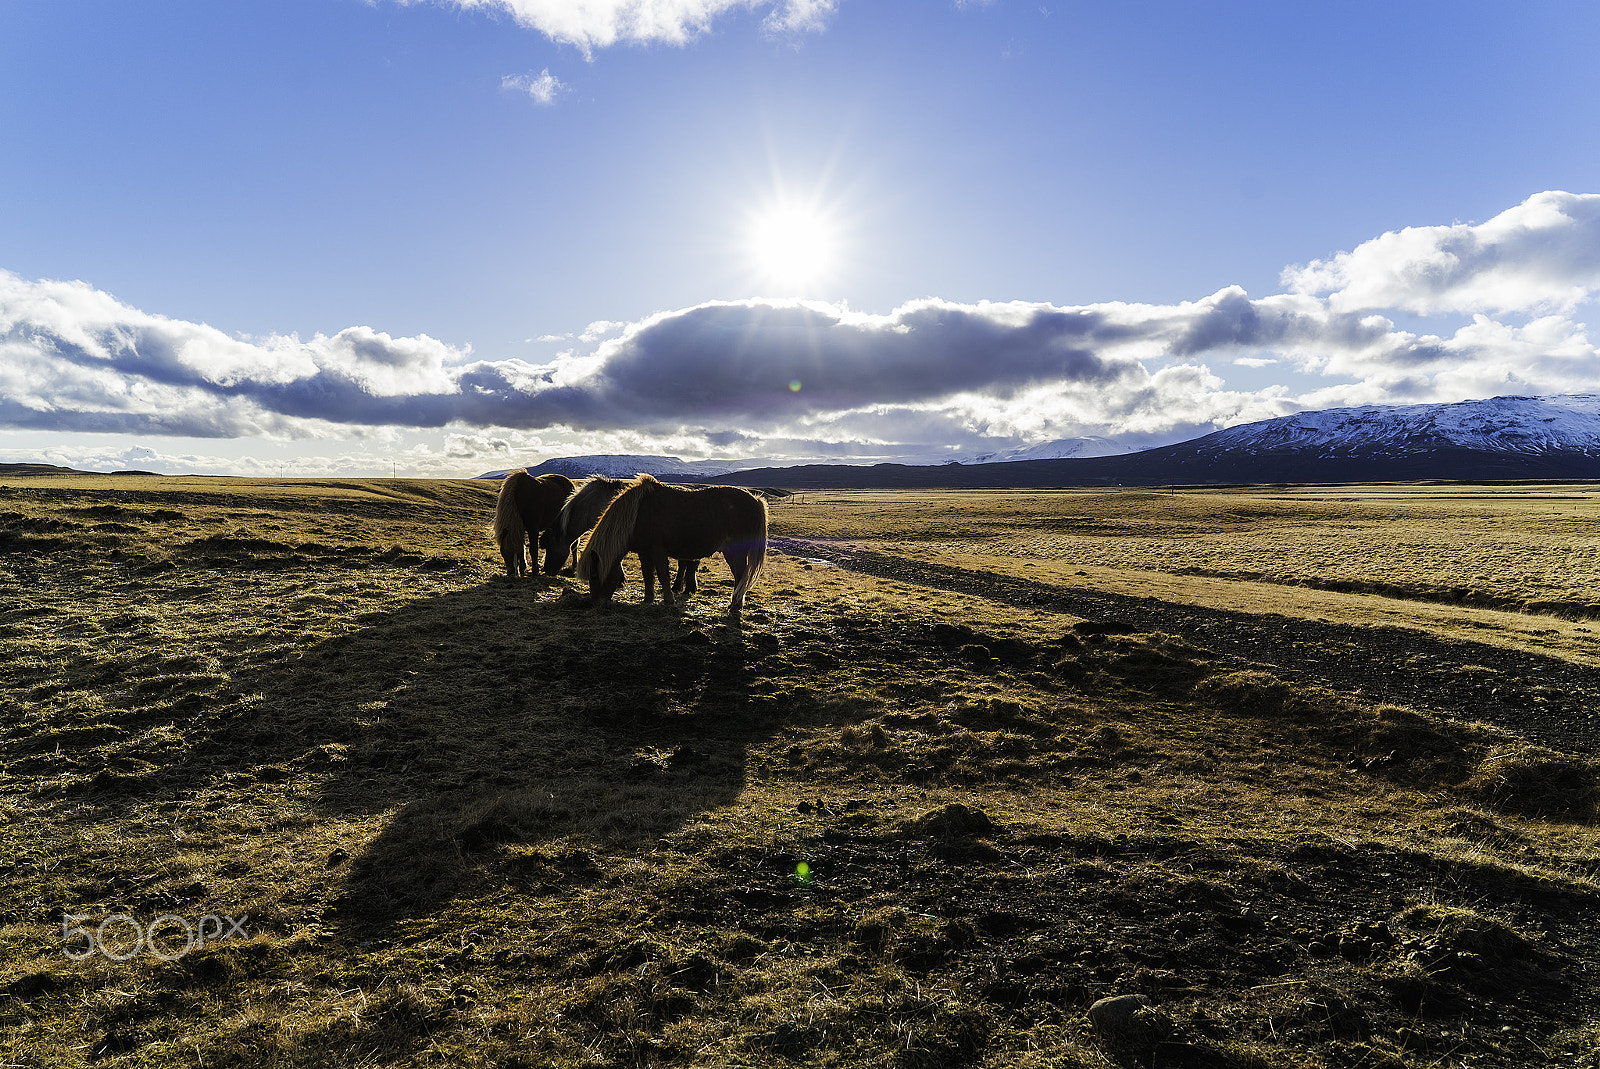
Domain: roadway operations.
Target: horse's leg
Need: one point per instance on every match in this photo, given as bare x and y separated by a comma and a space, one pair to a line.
663, 565
647, 565
738, 564
685, 583
548, 542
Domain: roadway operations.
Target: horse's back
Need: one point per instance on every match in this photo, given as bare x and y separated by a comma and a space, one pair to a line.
555, 487
688, 524
586, 506
539, 498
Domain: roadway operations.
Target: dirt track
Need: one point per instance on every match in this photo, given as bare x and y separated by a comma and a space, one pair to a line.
1545, 699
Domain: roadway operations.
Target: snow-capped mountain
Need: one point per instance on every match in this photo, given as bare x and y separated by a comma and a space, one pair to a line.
626, 466
1502, 438
1527, 425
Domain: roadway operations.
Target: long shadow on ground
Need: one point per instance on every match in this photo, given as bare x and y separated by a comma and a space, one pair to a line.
487, 717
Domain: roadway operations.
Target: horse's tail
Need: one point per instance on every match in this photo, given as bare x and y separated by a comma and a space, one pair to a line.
609, 541
753, 546
509, 533
755, 560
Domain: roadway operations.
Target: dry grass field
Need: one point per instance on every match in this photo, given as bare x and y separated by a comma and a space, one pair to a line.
1306, 768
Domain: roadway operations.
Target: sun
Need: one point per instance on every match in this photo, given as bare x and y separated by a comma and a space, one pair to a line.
793, 246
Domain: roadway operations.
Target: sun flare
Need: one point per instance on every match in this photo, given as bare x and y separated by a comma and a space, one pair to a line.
793, 246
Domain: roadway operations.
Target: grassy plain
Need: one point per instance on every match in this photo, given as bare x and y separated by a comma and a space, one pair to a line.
472, 822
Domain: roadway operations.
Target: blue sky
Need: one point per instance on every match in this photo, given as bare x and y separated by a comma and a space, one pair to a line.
441, 237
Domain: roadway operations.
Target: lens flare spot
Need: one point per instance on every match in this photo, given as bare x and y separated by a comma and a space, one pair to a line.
794, 385
802, 874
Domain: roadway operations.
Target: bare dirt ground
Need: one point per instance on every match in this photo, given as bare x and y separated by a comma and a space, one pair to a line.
969, 764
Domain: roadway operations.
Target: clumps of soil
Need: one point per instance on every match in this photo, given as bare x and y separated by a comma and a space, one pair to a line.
1102, 654
21, 533
1156, 662
1537, 782
953, 822
1457, 954
1482, 765
21, 523
1462, 931
1253, 693
1090, 629
982, 649
929, 747
1413, 746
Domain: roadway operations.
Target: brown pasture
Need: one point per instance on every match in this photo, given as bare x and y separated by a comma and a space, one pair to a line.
1307, 767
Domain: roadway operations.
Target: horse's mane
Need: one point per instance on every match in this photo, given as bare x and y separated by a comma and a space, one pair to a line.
586, 506
508, 528
609, 542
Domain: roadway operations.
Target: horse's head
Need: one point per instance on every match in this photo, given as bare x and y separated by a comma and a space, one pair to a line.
553, 542
612, 583
600, 587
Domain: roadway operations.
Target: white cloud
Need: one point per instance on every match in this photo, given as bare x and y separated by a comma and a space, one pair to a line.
593, 24
73, 357
799, 16
475, 446
542, 88
1544, 254
599, 329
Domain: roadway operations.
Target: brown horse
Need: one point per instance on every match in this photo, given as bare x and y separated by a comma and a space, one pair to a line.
581, 512
659, 522
526, 506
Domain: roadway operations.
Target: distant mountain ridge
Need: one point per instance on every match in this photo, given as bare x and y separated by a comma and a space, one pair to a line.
1501, 438
627, 465
42, 469
1060, 449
